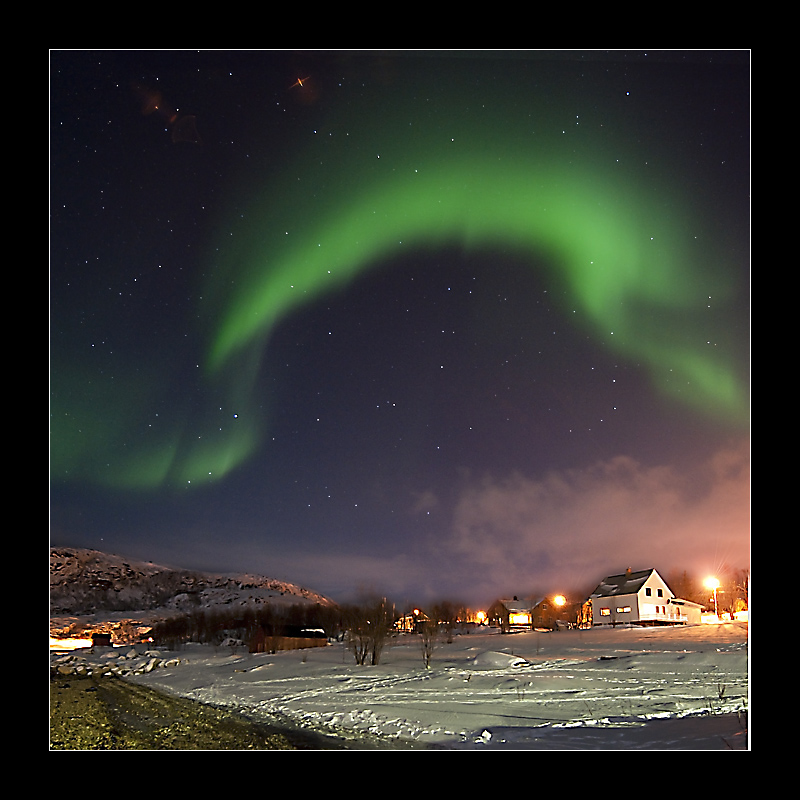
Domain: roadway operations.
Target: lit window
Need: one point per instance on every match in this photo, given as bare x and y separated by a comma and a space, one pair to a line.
605, 612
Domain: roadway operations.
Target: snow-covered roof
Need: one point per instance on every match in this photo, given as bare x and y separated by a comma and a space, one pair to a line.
626, 583
516, 606
680, 601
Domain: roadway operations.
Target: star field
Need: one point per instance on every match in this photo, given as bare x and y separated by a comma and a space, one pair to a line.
401, 320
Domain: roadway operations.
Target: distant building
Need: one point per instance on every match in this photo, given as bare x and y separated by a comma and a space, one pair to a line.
640, 598
271, 640
515, 614
413, 622
101, 640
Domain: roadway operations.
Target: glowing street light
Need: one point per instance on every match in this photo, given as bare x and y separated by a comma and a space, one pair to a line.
713, 584
559, 600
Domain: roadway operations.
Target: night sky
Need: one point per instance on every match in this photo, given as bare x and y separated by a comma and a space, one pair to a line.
435, 325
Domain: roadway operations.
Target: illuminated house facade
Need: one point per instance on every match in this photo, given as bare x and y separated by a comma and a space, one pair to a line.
525, 614
511, 614
641, 598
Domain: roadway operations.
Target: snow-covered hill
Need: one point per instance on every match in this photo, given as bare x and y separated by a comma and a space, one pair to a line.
89, 583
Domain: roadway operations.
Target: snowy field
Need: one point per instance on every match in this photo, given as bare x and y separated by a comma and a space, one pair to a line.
626, 688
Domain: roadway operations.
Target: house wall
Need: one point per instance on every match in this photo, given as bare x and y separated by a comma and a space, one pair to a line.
654, 602
659, 592
693, 614
620, 609
661, 612
686, 612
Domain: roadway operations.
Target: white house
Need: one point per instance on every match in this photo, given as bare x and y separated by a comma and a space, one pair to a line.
642, 598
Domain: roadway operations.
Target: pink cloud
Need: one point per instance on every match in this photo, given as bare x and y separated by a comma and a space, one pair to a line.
576, 526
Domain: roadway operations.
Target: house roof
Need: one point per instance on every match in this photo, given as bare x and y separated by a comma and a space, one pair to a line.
515, 605
520, 606
626, 583
679, 601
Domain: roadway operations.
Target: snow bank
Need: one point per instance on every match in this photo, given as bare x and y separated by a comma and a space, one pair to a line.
499, 660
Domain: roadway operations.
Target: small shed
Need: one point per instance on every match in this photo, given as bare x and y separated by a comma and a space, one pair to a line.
270, 640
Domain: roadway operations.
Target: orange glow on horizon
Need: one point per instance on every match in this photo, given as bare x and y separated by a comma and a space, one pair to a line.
69, 644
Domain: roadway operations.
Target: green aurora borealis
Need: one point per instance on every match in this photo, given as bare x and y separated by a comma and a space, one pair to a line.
640, 258
635, 290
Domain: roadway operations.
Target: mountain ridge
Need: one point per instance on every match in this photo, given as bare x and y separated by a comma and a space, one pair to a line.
91, 583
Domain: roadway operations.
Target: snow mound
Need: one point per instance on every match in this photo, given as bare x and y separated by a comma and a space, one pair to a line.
495, 660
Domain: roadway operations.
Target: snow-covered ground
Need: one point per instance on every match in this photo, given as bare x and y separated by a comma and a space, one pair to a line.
622, 688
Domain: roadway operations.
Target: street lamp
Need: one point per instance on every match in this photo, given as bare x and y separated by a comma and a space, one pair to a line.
713, 583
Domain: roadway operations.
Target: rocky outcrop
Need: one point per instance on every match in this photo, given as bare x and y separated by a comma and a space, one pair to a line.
109, 661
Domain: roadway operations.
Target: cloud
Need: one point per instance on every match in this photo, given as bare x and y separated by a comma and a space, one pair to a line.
506, 535
515, 534
424, 502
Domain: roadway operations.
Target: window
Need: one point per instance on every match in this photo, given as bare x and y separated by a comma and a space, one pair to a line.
605, 612
660, 592
623, 609
648, 591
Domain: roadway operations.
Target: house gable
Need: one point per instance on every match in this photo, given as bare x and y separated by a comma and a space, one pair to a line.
655, 589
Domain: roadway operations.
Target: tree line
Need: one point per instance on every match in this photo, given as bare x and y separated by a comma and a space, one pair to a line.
214, 626
365, 627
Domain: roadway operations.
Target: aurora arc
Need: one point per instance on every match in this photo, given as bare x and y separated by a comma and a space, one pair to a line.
634, 257
628, 269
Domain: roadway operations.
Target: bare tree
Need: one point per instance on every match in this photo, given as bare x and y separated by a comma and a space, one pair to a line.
367, 627
429, 635
357, 633
447, 614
